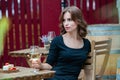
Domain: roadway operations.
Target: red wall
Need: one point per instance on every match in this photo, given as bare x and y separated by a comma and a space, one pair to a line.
105, 13
50, 11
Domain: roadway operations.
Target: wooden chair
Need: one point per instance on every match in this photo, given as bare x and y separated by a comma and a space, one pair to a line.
97, 48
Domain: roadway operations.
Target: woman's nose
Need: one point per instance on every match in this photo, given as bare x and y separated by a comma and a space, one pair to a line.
66, 23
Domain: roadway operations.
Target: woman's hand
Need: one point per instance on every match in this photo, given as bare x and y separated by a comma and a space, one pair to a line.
35, 63
38, 64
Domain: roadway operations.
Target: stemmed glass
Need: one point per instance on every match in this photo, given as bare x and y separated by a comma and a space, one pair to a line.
51, 35
34, 55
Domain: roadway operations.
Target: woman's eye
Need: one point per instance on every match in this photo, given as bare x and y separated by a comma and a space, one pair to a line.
63, 20
69, 19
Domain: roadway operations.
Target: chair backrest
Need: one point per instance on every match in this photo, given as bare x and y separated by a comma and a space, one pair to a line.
97, 48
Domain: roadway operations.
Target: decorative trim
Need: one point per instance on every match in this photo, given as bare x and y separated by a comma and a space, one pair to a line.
104, 29
115, 51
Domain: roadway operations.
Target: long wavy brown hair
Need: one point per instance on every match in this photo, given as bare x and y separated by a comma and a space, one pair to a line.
76, 16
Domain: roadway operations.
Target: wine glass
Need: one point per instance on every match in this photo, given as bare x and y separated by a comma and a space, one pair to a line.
34, 56
51, 35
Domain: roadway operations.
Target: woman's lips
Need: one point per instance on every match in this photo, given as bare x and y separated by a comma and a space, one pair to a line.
67, 28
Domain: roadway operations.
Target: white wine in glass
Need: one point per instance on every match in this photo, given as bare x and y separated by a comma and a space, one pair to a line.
34, 56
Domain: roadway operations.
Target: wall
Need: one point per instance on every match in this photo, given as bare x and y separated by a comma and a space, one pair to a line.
50, 11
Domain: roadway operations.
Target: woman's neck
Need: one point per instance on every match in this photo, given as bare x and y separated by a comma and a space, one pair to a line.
72, 36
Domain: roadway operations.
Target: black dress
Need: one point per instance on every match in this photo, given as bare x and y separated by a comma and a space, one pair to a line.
67, 62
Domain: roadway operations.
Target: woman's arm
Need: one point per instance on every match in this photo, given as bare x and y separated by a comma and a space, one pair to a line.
37, 64
45, 66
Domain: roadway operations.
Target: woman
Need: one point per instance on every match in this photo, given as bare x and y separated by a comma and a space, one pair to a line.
68, 51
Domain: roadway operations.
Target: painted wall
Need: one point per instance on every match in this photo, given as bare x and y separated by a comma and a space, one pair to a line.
50, 11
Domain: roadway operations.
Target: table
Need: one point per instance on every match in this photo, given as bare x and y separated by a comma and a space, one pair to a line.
25, 73
26, 52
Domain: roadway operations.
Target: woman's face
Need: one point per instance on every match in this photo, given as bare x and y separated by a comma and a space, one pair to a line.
68, 23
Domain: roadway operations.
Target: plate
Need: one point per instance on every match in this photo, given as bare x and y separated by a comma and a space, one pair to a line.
9, 71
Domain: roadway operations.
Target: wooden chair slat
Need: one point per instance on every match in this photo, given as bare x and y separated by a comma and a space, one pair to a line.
101, 42
101, 47
102, 52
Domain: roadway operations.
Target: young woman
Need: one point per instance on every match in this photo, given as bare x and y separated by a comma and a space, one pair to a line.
68, 51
